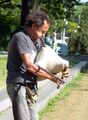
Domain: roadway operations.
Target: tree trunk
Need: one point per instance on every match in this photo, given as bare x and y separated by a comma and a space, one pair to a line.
26, 9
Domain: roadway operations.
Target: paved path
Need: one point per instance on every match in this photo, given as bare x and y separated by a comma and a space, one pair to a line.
45, 93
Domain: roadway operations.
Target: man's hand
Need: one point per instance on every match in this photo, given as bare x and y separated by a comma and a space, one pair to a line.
65, 72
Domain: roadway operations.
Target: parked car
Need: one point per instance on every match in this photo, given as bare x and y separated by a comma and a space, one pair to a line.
61, 47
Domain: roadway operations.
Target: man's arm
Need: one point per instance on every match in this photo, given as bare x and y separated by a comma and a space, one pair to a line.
35, 69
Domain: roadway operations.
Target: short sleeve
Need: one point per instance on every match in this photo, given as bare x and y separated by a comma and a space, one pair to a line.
21, 44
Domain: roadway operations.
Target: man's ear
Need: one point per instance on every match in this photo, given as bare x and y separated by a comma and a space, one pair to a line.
33, 26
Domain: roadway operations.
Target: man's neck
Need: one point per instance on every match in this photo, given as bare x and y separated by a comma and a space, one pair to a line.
29, 32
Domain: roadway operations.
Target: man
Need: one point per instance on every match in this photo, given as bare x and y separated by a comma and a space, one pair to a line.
22, 70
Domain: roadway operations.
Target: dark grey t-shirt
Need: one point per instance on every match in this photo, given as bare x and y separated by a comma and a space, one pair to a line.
16, 70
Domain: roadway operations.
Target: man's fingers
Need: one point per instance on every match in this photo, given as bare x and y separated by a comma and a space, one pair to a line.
65, 75
58, 85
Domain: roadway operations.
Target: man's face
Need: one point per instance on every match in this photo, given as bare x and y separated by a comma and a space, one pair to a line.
39, 32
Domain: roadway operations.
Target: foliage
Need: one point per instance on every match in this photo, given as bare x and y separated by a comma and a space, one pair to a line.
11, 10
73, 37
78, 37
58, 10
84, 31
9, 20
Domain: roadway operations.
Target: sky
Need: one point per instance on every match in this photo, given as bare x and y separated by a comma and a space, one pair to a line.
84, 0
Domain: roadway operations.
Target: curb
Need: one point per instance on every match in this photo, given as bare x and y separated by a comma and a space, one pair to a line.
6, 103
74, 72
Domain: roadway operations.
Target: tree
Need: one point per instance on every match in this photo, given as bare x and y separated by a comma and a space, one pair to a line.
9, 20
27, 6
13, 13
58, 10
79, 38
84, 31
73, 37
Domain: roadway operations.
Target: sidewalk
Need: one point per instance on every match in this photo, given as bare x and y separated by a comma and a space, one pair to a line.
47, 91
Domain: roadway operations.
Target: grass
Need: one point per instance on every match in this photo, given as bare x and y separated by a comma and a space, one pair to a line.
2, 71
63, 93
